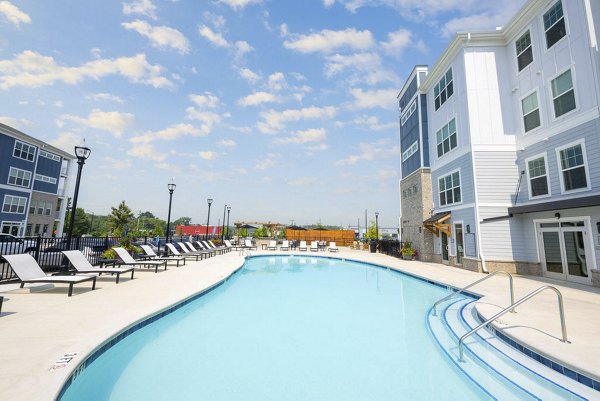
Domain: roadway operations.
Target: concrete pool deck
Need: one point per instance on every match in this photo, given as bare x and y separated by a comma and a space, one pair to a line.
40, 324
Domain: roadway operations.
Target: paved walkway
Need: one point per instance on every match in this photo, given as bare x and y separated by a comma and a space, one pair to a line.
40, 325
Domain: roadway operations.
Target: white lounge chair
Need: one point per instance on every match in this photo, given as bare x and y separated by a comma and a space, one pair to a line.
129, 260
229, 245
193, 249
285, 246
82, 265
314, 246
223, 247
302, 246
209, 245
186, 252
272, 245
248, 244
333, 247
173, 251
28, 271
153, 256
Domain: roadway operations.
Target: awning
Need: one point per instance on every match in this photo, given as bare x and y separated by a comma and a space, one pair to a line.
436, 224
587, 201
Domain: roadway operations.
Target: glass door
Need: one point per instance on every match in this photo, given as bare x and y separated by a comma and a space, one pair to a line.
445, 247
460, 249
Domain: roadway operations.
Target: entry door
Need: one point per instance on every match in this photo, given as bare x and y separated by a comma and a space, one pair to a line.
565, 251
445, 247
460, 248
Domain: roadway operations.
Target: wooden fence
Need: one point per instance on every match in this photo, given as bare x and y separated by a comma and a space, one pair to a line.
340, 237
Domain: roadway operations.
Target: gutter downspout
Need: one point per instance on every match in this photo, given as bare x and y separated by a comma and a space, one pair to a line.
477, 218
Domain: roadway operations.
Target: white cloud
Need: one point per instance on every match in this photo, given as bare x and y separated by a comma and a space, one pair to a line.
116, 164
303, 182
17, 123
328, 41
143, 7
276, 81
161, 37
146, 151
365, 67
66, 140
31, 69
268, 161
207, 155
397, 42
226, 143
381, 149
249, 75
104, 97
238, 4
169, 134
213, 37
13, 14
275, 120
168, 167
328, 3
111, 121
207, 100
218, 21
372, 122
483, 21
243, 47
383, 98
306, 136
257, 98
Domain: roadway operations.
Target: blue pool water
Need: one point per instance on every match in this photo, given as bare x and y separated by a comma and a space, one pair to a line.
287, 328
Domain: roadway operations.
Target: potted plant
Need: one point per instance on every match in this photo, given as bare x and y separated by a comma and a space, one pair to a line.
408, 252
126, 243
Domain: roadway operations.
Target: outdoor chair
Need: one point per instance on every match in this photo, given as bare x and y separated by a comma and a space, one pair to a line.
28, 271
223, 247
229, 245
129, 260
314, 246
272, 245
187, 253
190, 246
213, 247
333, 247
82, 265
175, 252
203, 246
248, 244
153, 256
302, 246
285, 246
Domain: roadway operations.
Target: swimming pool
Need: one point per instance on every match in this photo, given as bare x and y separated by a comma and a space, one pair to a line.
289, 328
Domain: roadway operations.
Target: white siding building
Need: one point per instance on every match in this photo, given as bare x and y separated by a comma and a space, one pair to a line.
514, 130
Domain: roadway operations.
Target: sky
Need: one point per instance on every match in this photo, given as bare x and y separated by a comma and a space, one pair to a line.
285, 110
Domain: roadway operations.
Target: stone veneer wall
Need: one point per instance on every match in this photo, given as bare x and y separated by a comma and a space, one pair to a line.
416, 208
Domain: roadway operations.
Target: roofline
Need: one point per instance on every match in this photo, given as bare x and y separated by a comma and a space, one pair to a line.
15, 133
417, 68
498, 37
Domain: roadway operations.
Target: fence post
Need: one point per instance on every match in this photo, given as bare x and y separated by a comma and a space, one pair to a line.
38, 245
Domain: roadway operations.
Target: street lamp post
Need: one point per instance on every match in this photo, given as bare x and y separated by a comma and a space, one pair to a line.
377, 227
228, 210
92, 223
209, 201
223, 228
82, 154
171, 187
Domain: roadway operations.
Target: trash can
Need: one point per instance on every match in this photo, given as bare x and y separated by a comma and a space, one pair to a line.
373, 245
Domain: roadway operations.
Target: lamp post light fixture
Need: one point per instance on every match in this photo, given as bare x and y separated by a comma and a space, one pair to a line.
223, 228
82, 154
228, 210
209, 201
171, 187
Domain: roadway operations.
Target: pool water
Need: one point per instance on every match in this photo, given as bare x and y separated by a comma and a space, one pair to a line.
287, 328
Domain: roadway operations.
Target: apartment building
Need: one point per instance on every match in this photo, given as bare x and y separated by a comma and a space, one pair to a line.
514, 123
32, 184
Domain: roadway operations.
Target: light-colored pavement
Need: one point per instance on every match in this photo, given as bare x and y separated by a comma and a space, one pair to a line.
39, 326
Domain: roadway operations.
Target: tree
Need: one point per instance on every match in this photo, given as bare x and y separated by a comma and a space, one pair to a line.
81, 224
119, 218
183, 221
147, 215
371, 232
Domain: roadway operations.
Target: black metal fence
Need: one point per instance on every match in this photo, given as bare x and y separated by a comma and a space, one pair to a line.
390, 247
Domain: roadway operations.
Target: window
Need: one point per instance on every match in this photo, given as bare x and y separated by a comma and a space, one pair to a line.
28, 230
446, 138
18, 177
410, 151
572, 165
45, 178
554, 24
524, 51
563, 94
14, 204
13, 228
32, 206
49, 155
37, 229
41, 207
538, 177
443, 89
409, 112
531, 112
449, 189
48, 208
24, 151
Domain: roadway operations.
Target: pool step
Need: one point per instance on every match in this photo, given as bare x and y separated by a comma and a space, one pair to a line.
502, 371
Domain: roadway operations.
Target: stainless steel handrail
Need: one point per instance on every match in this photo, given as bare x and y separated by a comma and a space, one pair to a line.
527, 297
510, 279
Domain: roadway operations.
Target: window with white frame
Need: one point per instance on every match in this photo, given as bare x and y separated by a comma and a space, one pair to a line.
49, 155
41, 206
19, 178
48, 208
531, 112
524, 50
443, 89
572, 163
554, 24
449, 189
410, 151
538, 177
446, 138
45, 178
11, 227
409, 112
14, 204
32, 206
24, 151
563, 94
